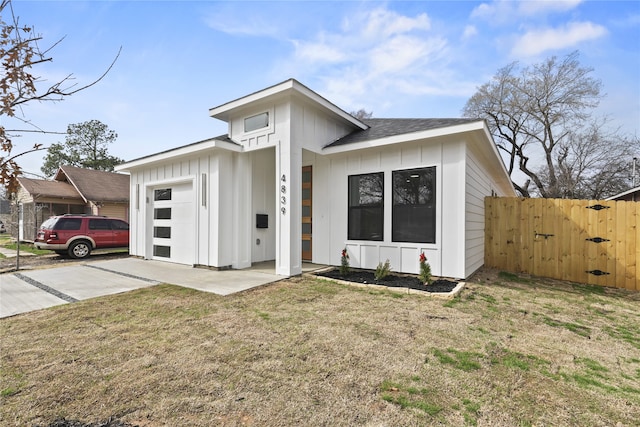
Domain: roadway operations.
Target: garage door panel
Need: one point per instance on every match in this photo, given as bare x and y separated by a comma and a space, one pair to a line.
172, 228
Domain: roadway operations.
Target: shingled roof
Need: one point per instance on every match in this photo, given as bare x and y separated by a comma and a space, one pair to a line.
96, 186
43, 188
382, 128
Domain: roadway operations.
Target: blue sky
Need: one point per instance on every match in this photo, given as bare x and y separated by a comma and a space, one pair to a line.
396, 59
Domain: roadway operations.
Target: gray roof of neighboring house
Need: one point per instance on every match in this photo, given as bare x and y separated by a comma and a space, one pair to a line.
43, 188
96, 186
382, 128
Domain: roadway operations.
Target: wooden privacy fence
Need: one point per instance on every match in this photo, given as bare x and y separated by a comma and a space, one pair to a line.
586, 241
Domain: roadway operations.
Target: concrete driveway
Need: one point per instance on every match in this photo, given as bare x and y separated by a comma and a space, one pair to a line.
29, 290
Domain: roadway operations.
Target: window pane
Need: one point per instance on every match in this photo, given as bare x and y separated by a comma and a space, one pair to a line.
162, 213
119, 225
306, 228
163, 251
99, 224
77, 209
256, 122
366, 207
414, 207
162, 194
68, 224
162, 232
306, 211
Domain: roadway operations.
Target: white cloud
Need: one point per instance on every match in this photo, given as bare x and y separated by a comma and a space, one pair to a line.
546, 6
224, 18
401, 53
497, 11
384, 23
372, 54
319, 51
501, 11
469, 32
537, 41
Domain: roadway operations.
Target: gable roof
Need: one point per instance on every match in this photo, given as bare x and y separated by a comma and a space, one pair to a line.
290, 87
96, 186
44, 188
219, 142
382, 128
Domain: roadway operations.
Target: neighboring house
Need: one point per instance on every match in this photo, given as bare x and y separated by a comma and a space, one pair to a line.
632, 195
298, 179
5, 213
74, 191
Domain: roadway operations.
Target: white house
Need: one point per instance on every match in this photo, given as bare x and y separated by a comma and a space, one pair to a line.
298, 179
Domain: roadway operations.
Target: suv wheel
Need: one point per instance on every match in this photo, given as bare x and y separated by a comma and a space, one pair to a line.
80, 249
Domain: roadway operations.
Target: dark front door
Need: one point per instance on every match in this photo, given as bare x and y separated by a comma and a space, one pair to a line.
306, 213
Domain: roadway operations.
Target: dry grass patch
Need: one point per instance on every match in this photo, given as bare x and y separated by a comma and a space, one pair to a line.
508, 351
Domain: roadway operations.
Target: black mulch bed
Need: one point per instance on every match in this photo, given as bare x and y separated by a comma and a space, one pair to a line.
392, 280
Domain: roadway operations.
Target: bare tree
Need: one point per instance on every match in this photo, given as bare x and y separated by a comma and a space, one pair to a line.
20, 52
362, 114
540, 117
593, 163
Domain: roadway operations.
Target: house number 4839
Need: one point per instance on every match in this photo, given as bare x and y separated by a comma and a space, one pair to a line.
283, 199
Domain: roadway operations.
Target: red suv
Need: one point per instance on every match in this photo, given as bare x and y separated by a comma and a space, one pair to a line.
78, 235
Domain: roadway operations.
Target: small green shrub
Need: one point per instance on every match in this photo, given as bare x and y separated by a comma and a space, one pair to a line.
382, 270
425, 270
344, 263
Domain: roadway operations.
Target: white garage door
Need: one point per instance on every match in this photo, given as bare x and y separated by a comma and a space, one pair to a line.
173, 223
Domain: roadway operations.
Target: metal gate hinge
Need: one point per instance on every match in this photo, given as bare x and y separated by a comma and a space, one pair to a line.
597, 272
598, 239
598, 207
542, 235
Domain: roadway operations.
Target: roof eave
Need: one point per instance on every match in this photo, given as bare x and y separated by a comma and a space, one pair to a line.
224, 111
404, 137
187, 150
624, 193
70, 179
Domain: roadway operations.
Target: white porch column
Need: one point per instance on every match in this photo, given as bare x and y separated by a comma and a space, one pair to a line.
288, 209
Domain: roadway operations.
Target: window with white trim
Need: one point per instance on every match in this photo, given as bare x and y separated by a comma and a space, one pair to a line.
366, 207
413, 215
256, 122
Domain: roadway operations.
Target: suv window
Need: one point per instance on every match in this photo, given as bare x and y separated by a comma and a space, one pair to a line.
116, 224
68, 224
48, 224
99, 224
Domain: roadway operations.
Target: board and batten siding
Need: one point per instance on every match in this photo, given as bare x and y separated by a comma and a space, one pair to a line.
314, 128
193, 169
263, 202
330, 207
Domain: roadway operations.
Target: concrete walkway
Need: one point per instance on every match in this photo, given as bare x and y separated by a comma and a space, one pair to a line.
10, 253
29, 290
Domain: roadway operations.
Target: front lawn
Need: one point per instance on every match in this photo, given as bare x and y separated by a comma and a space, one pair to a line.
509, 351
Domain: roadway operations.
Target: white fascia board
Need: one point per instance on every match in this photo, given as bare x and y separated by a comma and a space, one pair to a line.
187, 150
498, 157
325, 103
405, 137
624, 193
224, 111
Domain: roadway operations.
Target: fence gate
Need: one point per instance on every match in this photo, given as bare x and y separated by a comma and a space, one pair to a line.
585, 241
